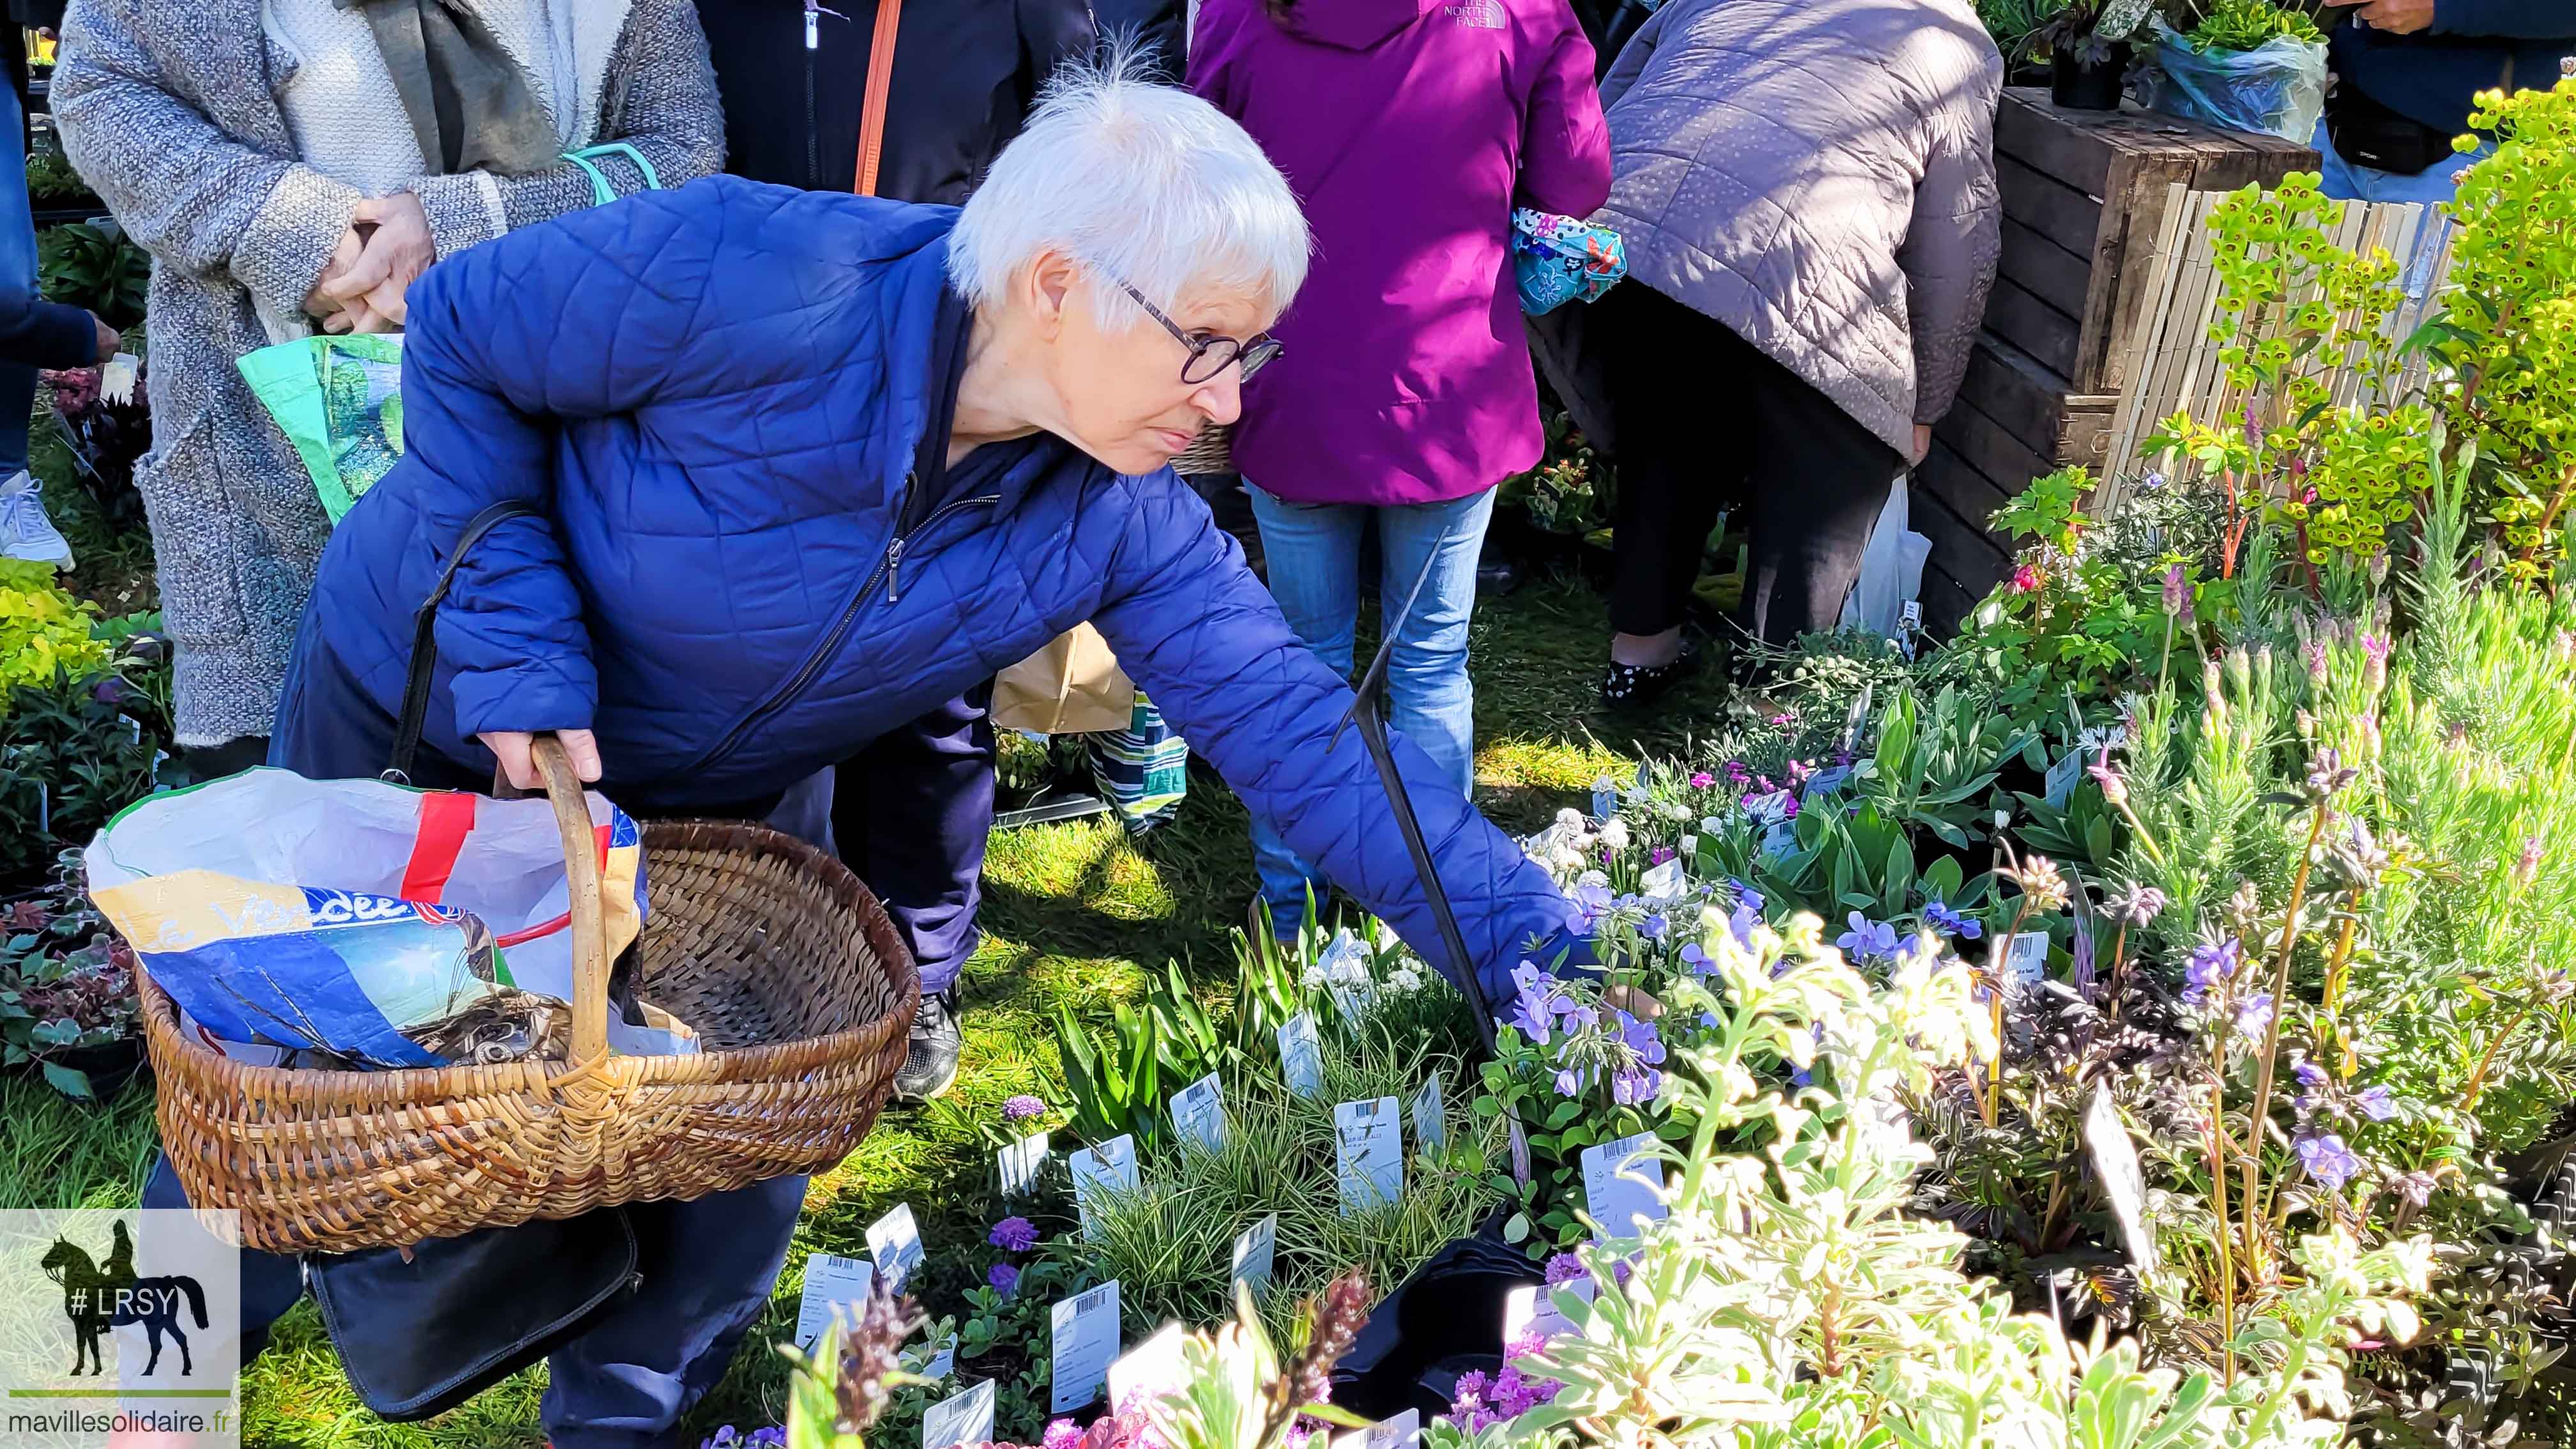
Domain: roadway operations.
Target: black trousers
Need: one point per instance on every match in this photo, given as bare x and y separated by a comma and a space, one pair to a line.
910, 814
1705, 419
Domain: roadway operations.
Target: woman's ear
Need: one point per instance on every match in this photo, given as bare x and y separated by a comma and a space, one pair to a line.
1050, 281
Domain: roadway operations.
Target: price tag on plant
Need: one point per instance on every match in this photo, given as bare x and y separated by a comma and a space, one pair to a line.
2027, 956
1605, 798
1826, 782
1520, 1149
1401, 1432
2124, 1181
1301, 1055
1620, 1179
1256, 1248
1099, 1172
1085, 1329
1780, 839
1854, 721
895, 1242
1198, 1113
833, 1286
1531, 1312
1020, 1163
1370, 1138
1430, 1118
1663, 882
2063, 777
1344, 966
966, 1418
1150, 1368
943, 1362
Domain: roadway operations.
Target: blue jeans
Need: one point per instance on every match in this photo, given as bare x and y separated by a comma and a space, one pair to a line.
2347, 182
17, 279
1314, 557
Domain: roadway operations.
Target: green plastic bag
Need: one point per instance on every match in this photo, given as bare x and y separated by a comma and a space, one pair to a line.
339, 402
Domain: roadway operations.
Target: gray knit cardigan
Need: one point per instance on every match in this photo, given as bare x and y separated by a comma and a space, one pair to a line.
169, 111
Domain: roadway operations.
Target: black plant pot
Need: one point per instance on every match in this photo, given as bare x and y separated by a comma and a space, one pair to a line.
2077, 86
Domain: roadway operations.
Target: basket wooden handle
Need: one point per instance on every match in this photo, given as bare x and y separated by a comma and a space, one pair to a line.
581, 877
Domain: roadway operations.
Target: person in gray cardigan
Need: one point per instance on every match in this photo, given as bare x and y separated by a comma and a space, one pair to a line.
1807, 193
288, 167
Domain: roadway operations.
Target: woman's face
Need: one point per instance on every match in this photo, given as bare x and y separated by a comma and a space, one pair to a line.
1121, 390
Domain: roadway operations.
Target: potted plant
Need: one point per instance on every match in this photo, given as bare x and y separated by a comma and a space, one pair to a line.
67, 996
2089, 51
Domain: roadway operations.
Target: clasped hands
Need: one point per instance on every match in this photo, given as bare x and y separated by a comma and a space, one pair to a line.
386, 246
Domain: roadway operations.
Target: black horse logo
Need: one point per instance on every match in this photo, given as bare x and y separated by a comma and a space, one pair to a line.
97, 1299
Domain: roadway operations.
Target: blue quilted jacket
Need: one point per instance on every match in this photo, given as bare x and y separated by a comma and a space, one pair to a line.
714, 397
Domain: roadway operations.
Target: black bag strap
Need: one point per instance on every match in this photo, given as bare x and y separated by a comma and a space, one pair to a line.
424, 641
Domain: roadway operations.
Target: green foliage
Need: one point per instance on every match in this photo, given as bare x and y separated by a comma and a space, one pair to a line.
2251, 24
1569, 492
96, 266
2509, 332
66, 986
44, 631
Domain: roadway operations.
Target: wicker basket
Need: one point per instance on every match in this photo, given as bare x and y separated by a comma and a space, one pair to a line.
799, 989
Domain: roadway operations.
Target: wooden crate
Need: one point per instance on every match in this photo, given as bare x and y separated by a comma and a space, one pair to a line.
2085, 200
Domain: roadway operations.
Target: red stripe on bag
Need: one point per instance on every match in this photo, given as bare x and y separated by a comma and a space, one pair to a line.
446, 819
548, 928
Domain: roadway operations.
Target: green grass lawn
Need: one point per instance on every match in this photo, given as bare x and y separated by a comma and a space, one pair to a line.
1074, 914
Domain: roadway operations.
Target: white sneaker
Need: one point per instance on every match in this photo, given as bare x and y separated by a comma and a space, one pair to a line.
25, 531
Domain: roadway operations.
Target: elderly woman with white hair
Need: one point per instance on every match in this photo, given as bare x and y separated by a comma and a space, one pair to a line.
731, 479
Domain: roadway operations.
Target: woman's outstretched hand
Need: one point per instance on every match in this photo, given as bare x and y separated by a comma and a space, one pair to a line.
511, 747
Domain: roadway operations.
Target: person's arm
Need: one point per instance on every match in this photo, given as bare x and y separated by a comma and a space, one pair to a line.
38, 333
1203, 639
598, 313
667, 110
1952, 244
1211, 37
1565, 144
2506, 19
199, 201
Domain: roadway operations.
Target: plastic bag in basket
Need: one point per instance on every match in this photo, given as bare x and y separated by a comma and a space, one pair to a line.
1556, 259
286, 914
2278, 88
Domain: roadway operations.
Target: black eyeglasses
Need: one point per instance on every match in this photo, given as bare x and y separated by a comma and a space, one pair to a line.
1210, 354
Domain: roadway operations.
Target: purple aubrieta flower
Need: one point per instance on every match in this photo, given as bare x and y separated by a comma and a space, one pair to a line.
1021, 1108
2326, 1158
1565, 1268
1568, 1082
1966, 928
1635, 1086
2210, 965
2254, 1013
1867, 940
1642, 1038
2378, 1103
1014, 1235
1659, 855
2310, 1075
1004, 1278
1061, 1434
1591, 903
1702, 780
1696, 959
1654, 926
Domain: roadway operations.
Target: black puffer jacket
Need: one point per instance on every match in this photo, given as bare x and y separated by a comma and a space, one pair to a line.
794, 79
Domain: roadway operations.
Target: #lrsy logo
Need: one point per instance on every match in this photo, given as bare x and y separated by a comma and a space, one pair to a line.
119, 1321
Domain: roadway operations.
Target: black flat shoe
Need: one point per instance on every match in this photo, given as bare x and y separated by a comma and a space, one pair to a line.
1634, 686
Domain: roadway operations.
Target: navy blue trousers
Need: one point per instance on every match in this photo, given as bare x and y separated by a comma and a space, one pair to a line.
910, 814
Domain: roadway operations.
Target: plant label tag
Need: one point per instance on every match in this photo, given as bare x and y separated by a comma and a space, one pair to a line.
2063, 777
943, 1362
1780, 839
1099, 1172
1085, 1329
2124, 1182
1826, 782
1301, 1055
894, 1241
1531, 1312
1520, 1150
1020, 1163
1664, 882
966, 1418
1370, 1137
835, 1287
1910, 618
1401, 1432
1255, 1249
1857, 718
1198, 1111
1605, 798
2027, 956
44, 809
1430, 1118
1149, 1369
1622, 1183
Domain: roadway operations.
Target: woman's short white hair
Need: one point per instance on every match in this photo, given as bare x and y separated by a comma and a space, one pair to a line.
1147, 182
